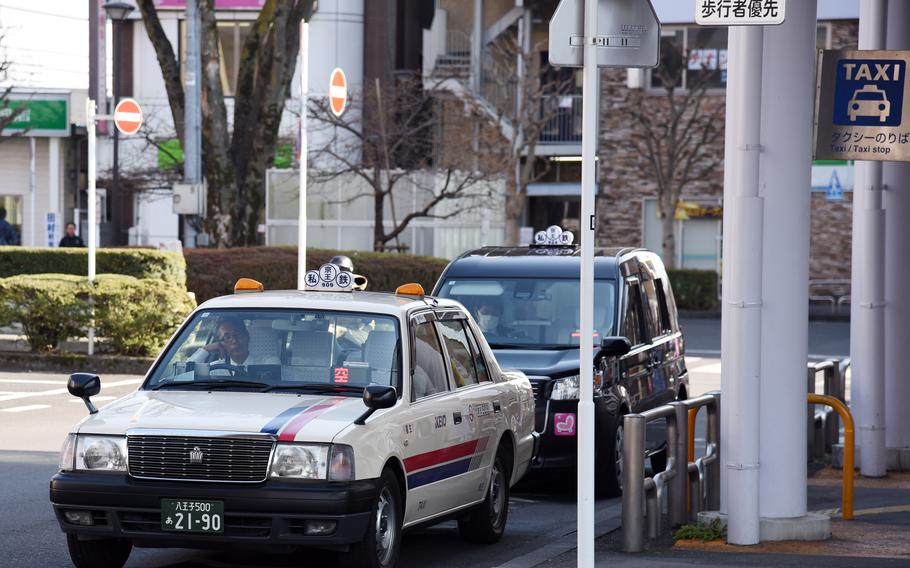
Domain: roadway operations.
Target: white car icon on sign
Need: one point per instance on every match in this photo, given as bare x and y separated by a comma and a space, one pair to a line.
869, 101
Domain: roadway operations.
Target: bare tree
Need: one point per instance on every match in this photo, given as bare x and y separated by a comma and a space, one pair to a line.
9, 113
386, 139
676, 136
519, 102
235, 160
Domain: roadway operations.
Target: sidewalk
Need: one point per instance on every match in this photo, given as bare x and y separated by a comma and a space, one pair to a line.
879, 535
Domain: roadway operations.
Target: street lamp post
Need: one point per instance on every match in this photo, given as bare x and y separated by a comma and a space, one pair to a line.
117, 12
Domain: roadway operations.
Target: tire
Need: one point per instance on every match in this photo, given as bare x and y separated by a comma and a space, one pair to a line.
610, 459
486, 522
659, 461
382, 541
102, 553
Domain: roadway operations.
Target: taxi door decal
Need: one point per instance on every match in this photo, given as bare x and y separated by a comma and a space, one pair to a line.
447, 462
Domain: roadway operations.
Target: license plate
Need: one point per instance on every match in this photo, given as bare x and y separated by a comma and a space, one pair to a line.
181, 515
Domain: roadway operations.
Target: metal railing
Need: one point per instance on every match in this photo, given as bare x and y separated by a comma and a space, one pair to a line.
823, 428
834, 292
565, 125
642, 496
849, 449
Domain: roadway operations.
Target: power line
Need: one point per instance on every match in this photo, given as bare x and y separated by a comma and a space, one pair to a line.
42, 13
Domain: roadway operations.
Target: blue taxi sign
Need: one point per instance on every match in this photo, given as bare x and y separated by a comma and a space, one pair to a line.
329, 278
860, 106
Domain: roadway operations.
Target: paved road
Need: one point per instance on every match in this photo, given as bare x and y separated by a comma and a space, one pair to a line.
827, 339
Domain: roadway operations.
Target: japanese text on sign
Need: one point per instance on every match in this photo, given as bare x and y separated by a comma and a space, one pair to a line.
739, 12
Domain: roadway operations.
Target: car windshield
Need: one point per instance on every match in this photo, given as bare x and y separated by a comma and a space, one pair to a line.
531, 312
281, 349
870, 96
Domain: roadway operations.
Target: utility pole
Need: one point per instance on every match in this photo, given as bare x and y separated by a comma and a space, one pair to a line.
304, 92
192, 154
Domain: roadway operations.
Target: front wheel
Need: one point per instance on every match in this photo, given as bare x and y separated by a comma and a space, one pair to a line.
486, 522
98, 553
379, 547
610, 466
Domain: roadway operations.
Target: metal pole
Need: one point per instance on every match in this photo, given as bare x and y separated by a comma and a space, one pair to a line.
633, 451
591, 96
742, 458
32, 240
116, 202
192, 117
304, 91
677, 449
867, 349
712, 486
91, 206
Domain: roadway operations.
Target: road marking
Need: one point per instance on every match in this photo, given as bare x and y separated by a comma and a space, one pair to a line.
25, 408
95, 399
521, 500
53, 392
33, 381
713, 368
692, 359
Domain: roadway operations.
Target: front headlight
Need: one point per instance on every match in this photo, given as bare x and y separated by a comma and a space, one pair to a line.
565, 388
101, 453
68, 453
300, 461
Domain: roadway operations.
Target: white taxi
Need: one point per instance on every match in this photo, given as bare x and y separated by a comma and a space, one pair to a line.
328, 417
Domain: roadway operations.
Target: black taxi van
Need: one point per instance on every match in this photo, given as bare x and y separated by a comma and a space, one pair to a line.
526, 302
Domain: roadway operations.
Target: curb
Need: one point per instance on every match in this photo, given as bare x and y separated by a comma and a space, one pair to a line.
74, 362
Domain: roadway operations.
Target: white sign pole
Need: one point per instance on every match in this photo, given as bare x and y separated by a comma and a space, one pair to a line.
304, 80
590, 100
92, 205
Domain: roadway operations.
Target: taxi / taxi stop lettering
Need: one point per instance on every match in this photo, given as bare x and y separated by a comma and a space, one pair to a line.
881, 72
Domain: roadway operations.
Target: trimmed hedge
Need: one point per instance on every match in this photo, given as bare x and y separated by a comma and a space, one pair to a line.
135, 316
694, 289
136, 262
213, 272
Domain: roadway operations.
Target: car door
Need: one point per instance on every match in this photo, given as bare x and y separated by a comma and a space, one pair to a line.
430, 441
481, 403
662, 358
634, 365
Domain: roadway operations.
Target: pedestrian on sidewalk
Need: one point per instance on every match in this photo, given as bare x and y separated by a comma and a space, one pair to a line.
8, 233
71, 239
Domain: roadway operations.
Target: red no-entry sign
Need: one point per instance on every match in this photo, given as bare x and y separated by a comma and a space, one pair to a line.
338, 91
128, 116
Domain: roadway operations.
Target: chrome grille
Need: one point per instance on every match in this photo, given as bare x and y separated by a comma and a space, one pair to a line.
537, 385
177, 457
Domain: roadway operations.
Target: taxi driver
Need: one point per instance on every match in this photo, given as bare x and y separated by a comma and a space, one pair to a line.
231, 346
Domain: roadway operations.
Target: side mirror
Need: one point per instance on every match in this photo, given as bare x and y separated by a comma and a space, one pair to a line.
376, 397
614, 347
84, 386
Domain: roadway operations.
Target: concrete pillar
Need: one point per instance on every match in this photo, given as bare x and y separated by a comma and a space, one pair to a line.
53, 193
896, 201
867, 293
785, 179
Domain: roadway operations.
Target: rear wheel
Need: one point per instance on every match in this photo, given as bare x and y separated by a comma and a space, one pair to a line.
100, 553
486, 522
380, 544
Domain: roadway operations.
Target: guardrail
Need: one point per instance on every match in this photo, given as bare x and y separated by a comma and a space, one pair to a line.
849, 448
643, 496
834, 292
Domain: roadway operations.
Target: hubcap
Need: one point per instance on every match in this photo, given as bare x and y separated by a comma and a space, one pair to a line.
497, 496
385, 526
617, 449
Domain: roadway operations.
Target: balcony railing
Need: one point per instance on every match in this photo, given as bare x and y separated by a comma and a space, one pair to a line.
564, 126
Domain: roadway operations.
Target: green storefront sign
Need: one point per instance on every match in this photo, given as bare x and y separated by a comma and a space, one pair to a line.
43, 116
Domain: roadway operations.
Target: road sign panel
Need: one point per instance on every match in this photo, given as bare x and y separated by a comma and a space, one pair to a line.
338, 91
628, 34
860, 106
128, 116
740, 12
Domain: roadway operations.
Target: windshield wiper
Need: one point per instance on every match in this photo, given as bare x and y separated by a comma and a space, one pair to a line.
511, 346
318, 388
221, 383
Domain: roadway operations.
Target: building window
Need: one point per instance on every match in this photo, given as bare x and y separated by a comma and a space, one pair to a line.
690, 52
231, 35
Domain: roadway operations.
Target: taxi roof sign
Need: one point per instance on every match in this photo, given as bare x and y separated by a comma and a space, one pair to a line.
329, 278
554, 236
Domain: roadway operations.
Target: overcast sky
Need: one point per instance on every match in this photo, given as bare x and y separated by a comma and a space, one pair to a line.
47, 43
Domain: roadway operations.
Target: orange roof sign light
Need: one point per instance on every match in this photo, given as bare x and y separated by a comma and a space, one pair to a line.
410, 289
245, 285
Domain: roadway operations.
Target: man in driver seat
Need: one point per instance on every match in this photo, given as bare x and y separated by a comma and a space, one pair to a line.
231, 346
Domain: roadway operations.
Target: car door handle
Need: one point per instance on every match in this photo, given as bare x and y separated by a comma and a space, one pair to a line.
456, 417
496, 407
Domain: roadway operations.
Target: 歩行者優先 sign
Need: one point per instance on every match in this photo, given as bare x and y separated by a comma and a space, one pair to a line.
628, 34
860, 104
740, 12
42, 115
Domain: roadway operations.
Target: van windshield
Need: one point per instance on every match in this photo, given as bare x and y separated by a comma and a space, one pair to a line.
270, 349
531, 312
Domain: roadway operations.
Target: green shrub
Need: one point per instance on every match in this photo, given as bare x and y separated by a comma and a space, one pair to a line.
701, 531
138, 316
140, 263
50, 307
135, 316
213, 272
694, 289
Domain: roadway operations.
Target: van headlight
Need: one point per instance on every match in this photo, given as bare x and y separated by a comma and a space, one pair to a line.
565, 388
101, 453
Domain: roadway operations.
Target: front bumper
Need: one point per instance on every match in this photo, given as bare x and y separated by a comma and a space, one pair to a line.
264, 513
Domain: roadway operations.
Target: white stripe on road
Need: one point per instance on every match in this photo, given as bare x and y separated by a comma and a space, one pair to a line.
26, 408
34, 381
713, 368
53, 392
